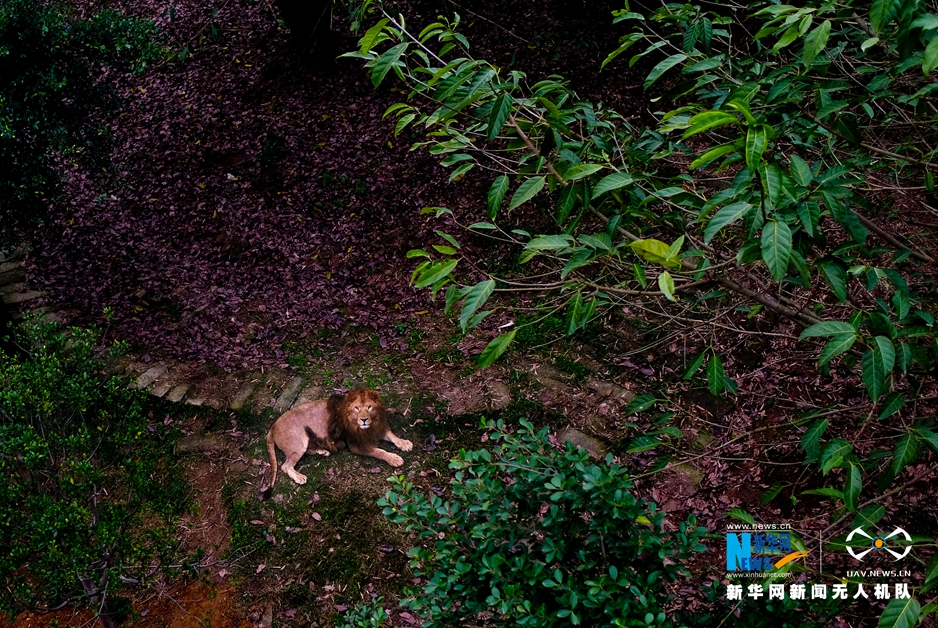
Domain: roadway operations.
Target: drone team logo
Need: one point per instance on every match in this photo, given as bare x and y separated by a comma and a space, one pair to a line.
878, 543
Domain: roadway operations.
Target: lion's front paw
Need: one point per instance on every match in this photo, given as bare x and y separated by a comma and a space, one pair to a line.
405, 445
299, 478
320, 452
394, 460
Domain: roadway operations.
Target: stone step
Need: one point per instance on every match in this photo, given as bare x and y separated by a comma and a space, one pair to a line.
312, 392
149, 376
6, 267
161, 388
22, 297
12, 287
247, 389
289, 394
12, 276
177, 393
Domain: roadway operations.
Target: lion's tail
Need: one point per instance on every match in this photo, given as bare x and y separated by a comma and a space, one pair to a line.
272, 452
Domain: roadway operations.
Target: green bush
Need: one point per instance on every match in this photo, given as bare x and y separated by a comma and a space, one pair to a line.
536, 536
88, 497
52, 100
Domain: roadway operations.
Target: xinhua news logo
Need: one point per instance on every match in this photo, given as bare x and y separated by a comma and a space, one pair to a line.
760, 550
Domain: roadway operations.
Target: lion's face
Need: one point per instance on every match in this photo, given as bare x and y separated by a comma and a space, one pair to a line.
362, 408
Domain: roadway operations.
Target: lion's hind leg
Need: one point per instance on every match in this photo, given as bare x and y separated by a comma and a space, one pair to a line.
292, 458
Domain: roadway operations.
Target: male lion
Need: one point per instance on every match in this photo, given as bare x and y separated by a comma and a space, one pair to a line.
357, 420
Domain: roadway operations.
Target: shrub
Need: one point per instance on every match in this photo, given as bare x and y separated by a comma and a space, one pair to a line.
83, 473
533, 535
52, 97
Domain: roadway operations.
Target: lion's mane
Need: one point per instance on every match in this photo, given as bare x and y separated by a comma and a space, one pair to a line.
343, 426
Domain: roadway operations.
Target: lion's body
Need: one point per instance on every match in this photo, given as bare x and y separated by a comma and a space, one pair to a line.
357, 420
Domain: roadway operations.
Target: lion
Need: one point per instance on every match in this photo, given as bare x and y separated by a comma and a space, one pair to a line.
357, 420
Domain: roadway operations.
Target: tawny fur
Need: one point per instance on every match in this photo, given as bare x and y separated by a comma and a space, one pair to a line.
357, 420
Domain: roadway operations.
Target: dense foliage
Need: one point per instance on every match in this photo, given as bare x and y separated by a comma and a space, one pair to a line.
766, 188
537, 536
83, 471
53, 96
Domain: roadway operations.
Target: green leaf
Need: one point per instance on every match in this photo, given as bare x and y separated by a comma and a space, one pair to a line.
435, 273
930, 438
869, 43
581, 170
501, 109
666, 285
612, 182
695, 365
526, 191
900, 613
776, 248
827, 328
770, 494
927, 22
663, 67
386, 61
640, 404
549, 242
877, 365
834, 454
417, 253
931, 574
715, 375
853, 484
475, 298
725, 216
905, 453
445, 250
836, 278
869, 516
811, 439
654, 251
825, 492
709, 120
642, 443
789, 36
756, 140
930, 57
496, 195
496, 348
712, 154
881, 13
892, 404
371, 35
741, 515
772, 183
815, 42
835, 346
801, 171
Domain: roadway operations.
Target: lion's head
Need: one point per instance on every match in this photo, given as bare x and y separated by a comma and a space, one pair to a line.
358, 417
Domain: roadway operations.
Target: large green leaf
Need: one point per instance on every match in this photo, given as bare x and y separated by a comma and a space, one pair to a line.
881, 13
611, 182
930, 438
526, 191
905, 452
900, 613
501, 108
725, 216
756, 140
715, 375
776, 248
835, 346
877, 365
815, 42
666, 285
930, 57
709, 120
827, 328
581, 170
834, 453
371, 36
836, 278
496, 195
801, 171
496, 348
435, 273
853, 484
386, 61
475, 298
663, 67
811, 439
